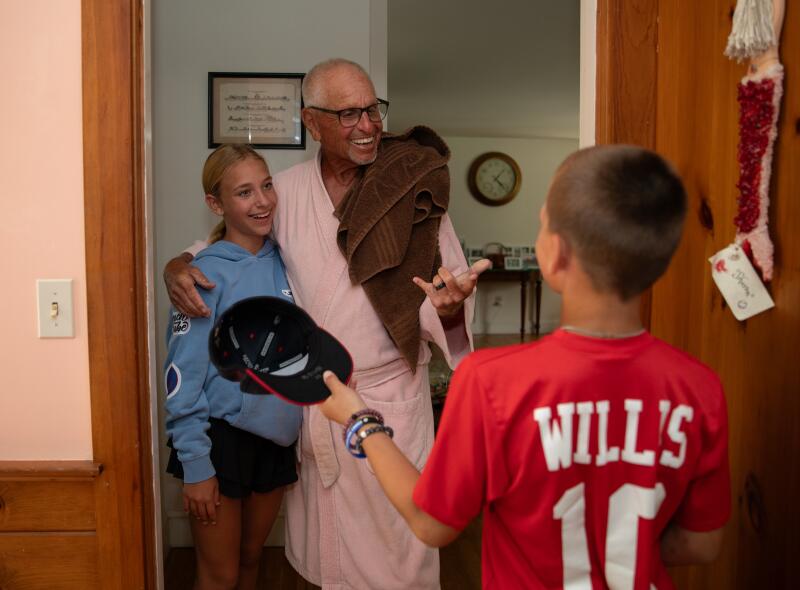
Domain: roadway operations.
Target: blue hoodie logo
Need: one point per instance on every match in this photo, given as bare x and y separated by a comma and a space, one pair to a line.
181, 323
172, 380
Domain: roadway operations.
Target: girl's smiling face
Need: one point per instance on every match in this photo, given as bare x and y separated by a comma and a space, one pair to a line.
247, 202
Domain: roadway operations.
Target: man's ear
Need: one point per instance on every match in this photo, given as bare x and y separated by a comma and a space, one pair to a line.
311, 123
213, 203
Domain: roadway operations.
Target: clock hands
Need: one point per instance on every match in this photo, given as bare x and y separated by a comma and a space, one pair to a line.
494, 178
500, 183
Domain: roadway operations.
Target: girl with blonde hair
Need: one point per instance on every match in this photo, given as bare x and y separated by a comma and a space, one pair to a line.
233, 450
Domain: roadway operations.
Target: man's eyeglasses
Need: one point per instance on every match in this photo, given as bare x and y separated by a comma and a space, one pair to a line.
350, 117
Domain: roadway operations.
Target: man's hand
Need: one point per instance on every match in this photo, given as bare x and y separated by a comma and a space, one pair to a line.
201, 500
343, 402
447, 293
181, 278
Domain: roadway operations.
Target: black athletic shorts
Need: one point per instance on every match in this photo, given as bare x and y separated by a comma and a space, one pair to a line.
244, 461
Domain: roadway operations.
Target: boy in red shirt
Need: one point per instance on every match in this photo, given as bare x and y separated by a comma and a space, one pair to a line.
598, 454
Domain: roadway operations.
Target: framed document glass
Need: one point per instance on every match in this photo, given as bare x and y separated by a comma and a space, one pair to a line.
262, 110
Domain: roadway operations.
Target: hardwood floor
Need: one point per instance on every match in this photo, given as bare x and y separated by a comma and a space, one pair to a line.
460, 561
460, 566
274, 572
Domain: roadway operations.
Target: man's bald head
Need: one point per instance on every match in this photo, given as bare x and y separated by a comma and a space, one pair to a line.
316, 82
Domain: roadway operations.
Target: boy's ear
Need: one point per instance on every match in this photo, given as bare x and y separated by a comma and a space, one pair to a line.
311, 123
556, 264
551, 253
563, 251
213, 203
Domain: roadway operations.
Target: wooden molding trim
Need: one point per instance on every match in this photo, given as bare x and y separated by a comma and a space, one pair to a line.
49, 470
627, 43
113, 111
627, 81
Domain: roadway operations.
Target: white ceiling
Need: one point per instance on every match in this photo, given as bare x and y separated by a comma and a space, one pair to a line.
486, 68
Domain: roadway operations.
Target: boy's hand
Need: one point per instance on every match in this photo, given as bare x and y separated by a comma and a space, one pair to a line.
201, 500
181, 278
343, 402
447, 293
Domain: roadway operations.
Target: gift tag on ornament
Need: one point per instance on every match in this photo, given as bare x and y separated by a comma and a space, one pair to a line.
739, 283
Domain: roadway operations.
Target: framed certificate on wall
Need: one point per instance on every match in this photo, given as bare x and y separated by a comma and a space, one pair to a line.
263, 110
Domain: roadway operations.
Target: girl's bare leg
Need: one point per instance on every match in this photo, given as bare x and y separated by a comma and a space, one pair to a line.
217, 547
259, 512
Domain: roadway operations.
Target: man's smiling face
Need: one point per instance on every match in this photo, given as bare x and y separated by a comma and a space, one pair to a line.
346, 87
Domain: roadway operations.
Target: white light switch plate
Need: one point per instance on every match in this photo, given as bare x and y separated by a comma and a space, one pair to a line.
55, 308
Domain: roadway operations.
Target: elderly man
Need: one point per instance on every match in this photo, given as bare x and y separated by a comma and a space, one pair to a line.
356, 225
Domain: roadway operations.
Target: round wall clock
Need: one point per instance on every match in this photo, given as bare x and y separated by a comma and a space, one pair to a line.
494, 178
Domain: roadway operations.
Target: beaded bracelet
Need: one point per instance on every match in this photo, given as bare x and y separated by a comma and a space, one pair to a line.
348, 431
361, 436
364, 412
350, 434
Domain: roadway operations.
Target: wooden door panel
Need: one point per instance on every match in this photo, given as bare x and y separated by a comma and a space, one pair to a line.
35, 561
696, 128
43, 506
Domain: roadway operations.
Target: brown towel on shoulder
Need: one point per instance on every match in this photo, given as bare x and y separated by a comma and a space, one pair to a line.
389, 229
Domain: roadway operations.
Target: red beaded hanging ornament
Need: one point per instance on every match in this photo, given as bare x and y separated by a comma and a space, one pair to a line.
756, 26
759, 99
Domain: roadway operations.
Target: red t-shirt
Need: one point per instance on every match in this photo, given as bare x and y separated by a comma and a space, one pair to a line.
579, 451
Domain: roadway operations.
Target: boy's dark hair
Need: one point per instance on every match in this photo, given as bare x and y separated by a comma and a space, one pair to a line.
621, 209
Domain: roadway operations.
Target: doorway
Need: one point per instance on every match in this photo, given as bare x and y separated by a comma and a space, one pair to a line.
186, 39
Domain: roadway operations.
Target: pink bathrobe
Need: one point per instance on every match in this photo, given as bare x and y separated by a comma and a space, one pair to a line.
341, 530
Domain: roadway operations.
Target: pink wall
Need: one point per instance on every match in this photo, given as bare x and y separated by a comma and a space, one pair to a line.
44, 396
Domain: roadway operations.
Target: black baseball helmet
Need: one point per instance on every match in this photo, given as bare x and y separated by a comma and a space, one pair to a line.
270, 345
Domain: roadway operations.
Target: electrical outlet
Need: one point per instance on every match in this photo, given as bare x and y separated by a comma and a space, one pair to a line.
55, 308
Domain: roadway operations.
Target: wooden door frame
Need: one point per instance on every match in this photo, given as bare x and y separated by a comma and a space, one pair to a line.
115, 231
627, 80
116, 258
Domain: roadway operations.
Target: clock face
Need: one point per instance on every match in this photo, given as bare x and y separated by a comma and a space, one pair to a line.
494, 178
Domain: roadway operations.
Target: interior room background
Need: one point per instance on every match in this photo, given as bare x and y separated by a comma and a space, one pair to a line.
652, 90
496, 77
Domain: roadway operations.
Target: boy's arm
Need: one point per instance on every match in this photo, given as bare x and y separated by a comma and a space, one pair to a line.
680, 546
393, 470
694, 533
398, 477
181, 279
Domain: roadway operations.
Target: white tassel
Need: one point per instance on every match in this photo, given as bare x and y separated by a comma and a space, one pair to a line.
752, 32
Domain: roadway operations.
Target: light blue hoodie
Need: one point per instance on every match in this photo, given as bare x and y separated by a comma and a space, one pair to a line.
195, 390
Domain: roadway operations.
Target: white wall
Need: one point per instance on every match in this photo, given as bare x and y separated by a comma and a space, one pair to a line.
505, 68
516, 223
193, 37
501, 76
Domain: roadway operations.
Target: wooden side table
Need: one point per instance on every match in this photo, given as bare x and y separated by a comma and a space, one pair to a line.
524, 277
